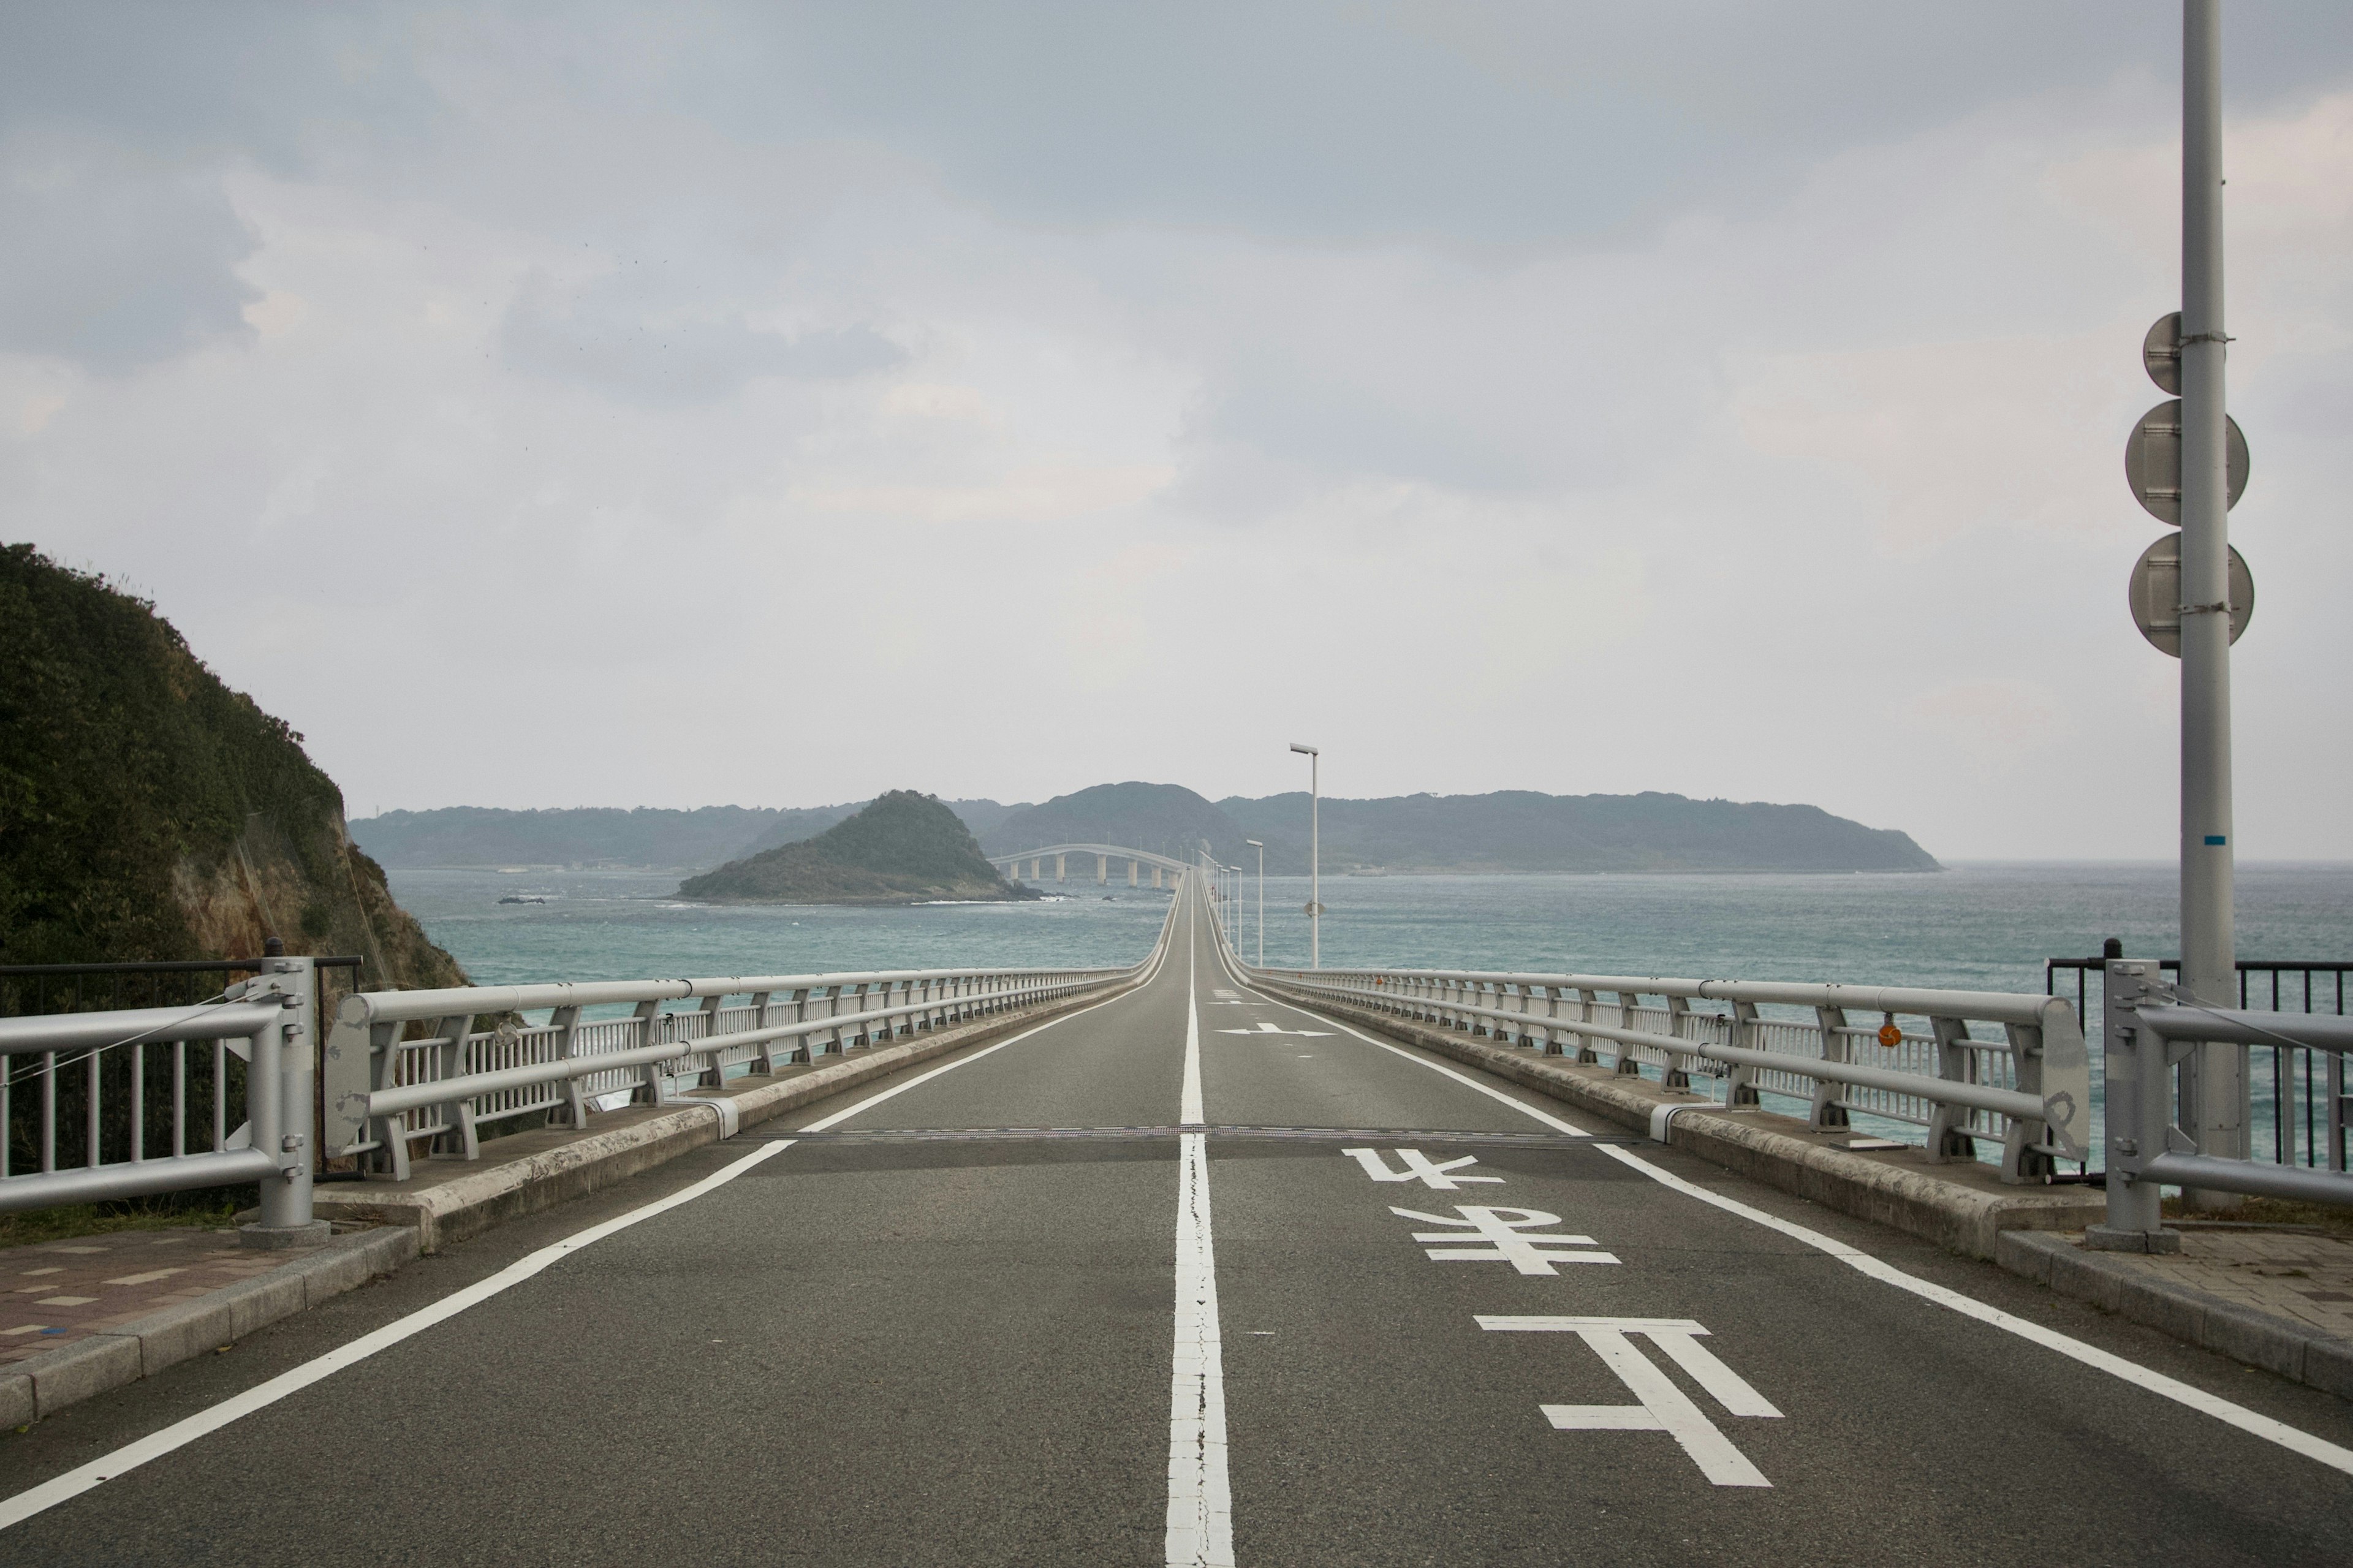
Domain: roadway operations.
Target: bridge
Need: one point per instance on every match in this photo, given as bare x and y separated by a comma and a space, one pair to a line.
1058, 856
1185, 1261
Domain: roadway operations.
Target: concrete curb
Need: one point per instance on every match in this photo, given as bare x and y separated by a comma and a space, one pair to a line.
1966, 1216
2259, 1339
483, 1195
41, 1385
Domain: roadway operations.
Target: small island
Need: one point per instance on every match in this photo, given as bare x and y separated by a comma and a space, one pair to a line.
905, 848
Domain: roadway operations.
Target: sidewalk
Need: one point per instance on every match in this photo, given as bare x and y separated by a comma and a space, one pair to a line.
91, 1314
54, 1293
2278, 1299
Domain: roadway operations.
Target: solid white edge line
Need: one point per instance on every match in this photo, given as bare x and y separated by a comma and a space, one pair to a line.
2254, 1423
36, 1500
1200, 1527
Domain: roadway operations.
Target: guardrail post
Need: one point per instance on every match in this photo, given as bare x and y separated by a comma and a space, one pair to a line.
455, 1033
277, 1101
1629, 1064
1586, 1001
1677, 1074
1740, 1085
713, 1074
1948, 1134
651, 1078
1829, 1112
567, 1022
2139, 1116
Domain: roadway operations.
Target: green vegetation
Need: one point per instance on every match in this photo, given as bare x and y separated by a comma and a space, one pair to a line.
1506, 831
903, 848
606, 836
149, 812
208, 1210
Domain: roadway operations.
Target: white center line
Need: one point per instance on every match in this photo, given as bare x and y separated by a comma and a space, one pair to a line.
1200, 1506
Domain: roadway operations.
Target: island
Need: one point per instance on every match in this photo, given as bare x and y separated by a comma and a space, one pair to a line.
904, 847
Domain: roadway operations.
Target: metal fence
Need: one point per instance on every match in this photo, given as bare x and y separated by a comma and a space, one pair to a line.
148, 1083
2296, 1092
449, 1080
1961, 1065
2148, 1030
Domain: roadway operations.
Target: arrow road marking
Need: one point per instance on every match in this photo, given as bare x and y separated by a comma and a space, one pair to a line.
1503, 1239
1418, 1167
1664, 1407
1266, 1029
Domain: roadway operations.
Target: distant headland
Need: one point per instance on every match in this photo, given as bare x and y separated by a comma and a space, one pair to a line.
1505, 832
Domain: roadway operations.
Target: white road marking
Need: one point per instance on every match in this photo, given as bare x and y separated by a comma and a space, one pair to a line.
179, 1435
1266, 1029
1201, 1528
1664, 1407
1502, 1240
2255, 1424
1418, 1167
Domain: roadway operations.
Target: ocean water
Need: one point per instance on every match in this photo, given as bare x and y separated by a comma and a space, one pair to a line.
1976, 927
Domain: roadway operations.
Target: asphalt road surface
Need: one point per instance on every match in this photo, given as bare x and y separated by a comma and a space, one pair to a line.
1464, 1333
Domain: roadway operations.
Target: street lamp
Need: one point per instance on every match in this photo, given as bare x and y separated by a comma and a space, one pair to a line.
1261, 898
1315, 856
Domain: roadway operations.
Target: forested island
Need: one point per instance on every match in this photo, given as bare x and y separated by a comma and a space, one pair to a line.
904, 847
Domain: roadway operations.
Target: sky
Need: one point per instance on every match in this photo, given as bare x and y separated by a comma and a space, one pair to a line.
545, 406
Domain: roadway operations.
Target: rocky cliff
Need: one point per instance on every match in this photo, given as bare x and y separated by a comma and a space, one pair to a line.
149, 812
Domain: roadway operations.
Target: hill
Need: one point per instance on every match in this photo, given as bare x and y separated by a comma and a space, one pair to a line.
905, 848
148, 812
1507, 831
606, 836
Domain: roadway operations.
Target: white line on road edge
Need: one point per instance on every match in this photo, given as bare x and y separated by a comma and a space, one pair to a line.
2255, 1424
155, 1445
1200, 1505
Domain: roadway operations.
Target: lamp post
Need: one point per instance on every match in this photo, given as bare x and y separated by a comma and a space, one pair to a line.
1314, 855
1261, 898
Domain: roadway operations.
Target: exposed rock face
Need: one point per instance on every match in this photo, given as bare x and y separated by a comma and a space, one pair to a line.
149, 812
905, 848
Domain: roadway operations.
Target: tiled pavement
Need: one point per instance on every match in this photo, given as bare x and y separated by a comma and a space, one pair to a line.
2291, 1275
56, 1293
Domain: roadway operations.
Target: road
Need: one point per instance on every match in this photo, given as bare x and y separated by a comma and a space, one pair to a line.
1213, 1346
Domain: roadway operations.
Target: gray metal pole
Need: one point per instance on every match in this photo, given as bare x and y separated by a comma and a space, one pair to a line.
1315, 854
2214, 1078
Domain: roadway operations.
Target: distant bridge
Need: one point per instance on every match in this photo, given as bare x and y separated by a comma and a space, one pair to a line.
1167, 866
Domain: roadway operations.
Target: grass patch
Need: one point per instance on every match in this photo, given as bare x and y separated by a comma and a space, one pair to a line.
211, 1210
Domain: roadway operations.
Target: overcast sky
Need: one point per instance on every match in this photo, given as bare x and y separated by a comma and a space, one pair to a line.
687, 405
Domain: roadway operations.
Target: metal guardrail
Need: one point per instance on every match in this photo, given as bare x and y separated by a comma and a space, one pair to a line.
259, 1024
2029, 1089
2289, 1086
383, 1093
2147, 1032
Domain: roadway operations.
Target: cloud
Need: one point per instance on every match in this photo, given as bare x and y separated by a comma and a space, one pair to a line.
623, 341
116, 260
1683, 397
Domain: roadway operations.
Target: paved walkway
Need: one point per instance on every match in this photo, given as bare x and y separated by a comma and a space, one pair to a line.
2287, 1273
53, 1293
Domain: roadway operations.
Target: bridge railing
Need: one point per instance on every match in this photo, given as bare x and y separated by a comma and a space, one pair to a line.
175, 1069
1964, 1065
2149, 1030
385, 1092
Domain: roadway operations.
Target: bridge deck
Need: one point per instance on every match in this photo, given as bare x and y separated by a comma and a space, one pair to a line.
960, 1349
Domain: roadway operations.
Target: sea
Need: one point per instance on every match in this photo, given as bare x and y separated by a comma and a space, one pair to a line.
1978, 926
